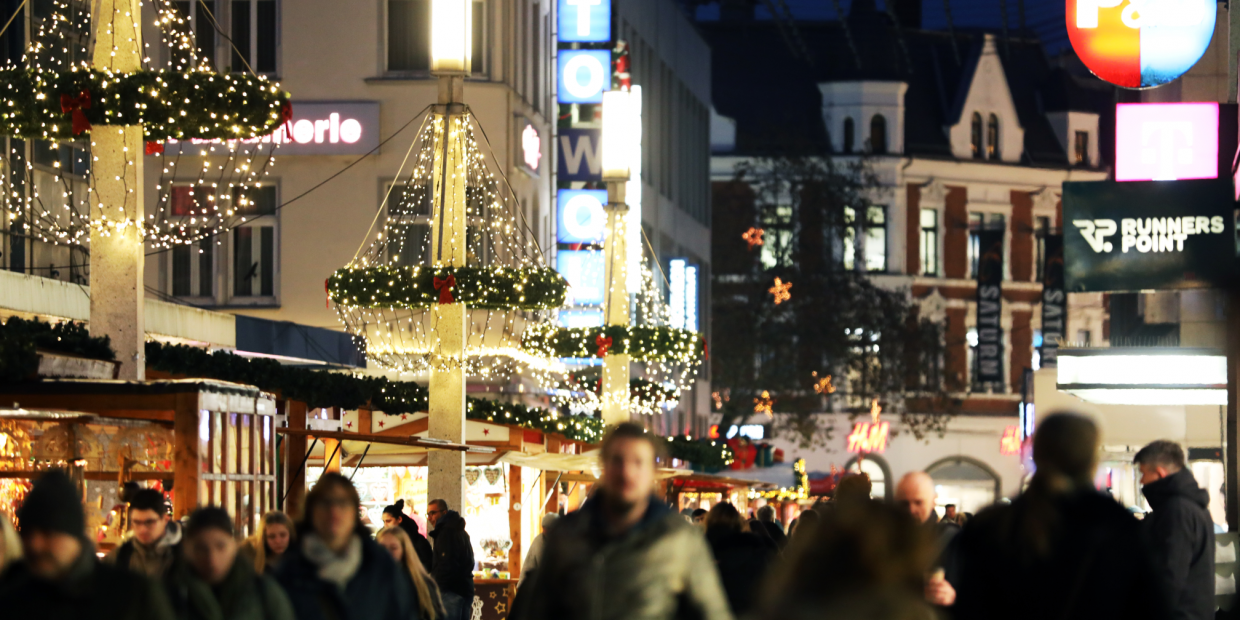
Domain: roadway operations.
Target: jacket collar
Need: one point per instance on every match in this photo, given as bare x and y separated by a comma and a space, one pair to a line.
451, 520
655, 513
1179, 484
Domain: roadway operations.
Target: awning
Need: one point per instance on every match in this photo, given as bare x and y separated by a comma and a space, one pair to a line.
549, 461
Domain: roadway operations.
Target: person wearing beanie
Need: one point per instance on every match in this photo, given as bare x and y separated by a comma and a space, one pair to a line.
58, 577
215, 583
394, 516
155, 547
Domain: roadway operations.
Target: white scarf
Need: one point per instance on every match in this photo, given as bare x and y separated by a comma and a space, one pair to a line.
333, 567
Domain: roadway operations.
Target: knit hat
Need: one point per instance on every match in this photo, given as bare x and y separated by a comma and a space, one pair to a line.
54, 504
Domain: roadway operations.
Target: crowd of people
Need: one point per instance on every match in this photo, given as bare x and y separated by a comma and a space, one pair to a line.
1061, 550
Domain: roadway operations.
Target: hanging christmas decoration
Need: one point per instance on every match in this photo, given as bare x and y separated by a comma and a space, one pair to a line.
780, 291
822, 385
764, 404
753, 237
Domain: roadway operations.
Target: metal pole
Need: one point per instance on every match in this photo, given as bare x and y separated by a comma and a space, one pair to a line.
300, 467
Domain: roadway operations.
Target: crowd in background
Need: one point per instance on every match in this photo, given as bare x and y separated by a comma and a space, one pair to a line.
1060, 550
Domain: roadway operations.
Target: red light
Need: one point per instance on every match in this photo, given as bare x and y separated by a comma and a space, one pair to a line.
1010, 443
713, 433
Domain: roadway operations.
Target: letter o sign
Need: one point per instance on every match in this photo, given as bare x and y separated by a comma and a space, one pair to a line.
583, 75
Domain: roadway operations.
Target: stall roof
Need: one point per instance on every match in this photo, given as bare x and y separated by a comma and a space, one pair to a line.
710, 481
356, 442
154, 399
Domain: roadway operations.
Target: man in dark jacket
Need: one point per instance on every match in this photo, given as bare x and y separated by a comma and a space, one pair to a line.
154, 549
625, 555
915, 494
1179, 532
1061, 550
58, 577
766, 516
453, 568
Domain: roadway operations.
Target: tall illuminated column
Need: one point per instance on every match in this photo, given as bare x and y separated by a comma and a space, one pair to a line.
616, 156
450, 62
116, 253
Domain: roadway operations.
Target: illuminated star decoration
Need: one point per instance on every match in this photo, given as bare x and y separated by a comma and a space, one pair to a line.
780, 291
875, 410
822, 385
753, 237
764, 404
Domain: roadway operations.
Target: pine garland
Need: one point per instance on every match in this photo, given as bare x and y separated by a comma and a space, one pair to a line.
640, 342
576, 428
703, 454
384, 286
21, 340
180, 105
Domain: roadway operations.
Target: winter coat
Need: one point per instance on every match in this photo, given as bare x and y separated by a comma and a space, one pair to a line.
944, 533
742, 559
658, 570
420, 545
777, 533
243, 595
432, 589
91, 590
249, 551
155, 561
378, 590
1180, 536
453, 569
1072, 556
757, 529
532, 558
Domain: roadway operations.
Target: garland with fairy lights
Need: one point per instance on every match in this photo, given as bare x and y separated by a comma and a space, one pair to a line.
639, 389
800, 490
576, 428
642, 343
708, 455
51, 105
488, 288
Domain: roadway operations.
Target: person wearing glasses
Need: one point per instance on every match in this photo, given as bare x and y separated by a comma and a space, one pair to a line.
453, 568
154, 549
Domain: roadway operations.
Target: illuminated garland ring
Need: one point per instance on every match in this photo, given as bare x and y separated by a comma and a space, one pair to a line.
643, 344
52, 105
489, 288
577, 428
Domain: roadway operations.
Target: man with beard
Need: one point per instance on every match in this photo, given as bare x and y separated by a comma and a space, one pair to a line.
625, 554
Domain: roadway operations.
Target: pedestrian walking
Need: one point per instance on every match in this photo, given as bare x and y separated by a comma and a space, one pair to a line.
865, 560
268, 545
59, 577
336, 571
1062, 549
741, 557
394, 516
453, 567
1178, 532
428, 600
915, 495
534, 556
625, 554
155, 547
215, 582
766, 516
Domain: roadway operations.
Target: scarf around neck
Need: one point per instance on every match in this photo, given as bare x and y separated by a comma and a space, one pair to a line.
333, 567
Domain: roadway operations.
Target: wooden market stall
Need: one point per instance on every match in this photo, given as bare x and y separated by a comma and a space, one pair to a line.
222, 436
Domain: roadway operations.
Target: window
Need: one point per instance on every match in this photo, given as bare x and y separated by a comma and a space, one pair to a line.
245, 255
850, 134
976, 136
878, 134
929, 242
193, 269
15, 245
198, 16
977, 223
1044, 229
409, 36
409, 215
254, 243
1080, 145
992, 138
254, 32
872, 249
1083, 337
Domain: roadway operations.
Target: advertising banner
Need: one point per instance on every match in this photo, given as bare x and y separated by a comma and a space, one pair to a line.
1148, 235
317, 128
1054, 301
990, 306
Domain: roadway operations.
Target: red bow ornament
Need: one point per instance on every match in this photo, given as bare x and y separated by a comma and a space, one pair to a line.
604, 343
444, 287
286, 117
154, 148
75, 106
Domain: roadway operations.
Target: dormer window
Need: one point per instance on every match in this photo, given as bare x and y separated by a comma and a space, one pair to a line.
878, 134
1081, 148
850, 134
992, 138
976, 136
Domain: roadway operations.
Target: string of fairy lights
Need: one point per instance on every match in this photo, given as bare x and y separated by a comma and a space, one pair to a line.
209, 133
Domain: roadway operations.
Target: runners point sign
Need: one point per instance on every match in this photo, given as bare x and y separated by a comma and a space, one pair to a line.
1140, 43
1147, 235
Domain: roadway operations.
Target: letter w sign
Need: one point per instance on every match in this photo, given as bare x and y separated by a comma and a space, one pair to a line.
579, 155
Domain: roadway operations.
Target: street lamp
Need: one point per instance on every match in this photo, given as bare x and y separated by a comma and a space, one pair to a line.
617, 140
616, 143
451, 45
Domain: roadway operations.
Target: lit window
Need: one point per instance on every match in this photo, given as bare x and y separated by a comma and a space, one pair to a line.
976, 136
1044, 229
930, 242
992, 137
872, 247
1081, 149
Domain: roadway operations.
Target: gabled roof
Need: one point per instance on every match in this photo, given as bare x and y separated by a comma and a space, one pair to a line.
774, 97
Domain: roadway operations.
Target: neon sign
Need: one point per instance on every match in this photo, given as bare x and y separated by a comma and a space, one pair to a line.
1140, 43
869, 437
1009, 444
531, 147
584, 21
1166, 141
580, 215
317, 128
583, 75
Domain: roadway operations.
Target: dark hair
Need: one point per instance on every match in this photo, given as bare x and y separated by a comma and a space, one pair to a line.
149, 499
724, 517
1066, 444
440, 502
699, 512
949, 506
320, 489
766, 513
396, 511
1162, 452
630, 430
853, 487
209, 518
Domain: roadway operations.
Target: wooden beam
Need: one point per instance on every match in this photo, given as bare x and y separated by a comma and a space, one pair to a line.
514, 521
100, 476
365, 418
331, 451
186, 458
294, 474
404, 430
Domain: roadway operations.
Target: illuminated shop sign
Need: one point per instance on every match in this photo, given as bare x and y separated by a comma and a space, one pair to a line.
1147, 235
580, 216
583, 75
1009, 443
584, 271
584, 21
1166, 141
529, 145
579, 157
682, 297
868, 437
1140, 43
317, 128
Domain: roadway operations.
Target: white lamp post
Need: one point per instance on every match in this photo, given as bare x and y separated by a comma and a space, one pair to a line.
616, 146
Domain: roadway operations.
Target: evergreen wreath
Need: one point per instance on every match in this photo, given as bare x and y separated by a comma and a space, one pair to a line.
385, 286
642, 343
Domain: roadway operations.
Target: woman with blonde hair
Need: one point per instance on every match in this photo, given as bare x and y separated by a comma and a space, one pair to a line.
267, 546
397, 542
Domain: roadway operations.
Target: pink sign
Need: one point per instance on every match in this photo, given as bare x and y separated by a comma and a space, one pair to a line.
1166, 141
